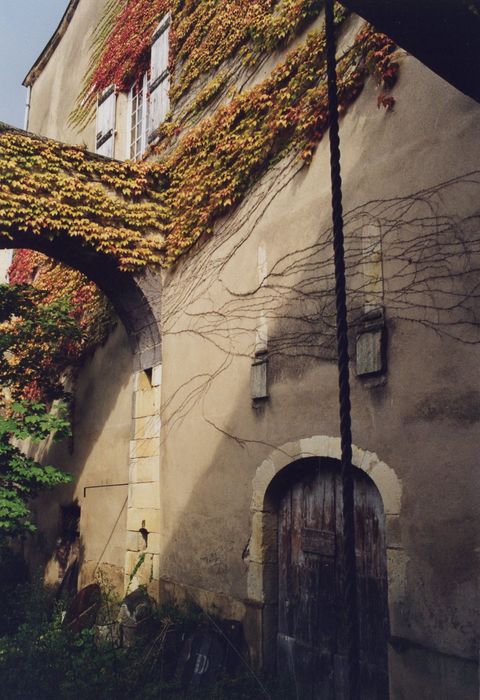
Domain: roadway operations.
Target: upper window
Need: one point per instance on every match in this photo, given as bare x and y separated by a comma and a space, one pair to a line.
149, 102
138, 101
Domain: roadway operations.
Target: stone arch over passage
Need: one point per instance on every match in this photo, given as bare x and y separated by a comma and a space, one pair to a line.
299, 470
135, 298
45, 185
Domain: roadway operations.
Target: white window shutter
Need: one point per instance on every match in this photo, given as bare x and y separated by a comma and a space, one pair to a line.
159, 76
105, 125
159, 104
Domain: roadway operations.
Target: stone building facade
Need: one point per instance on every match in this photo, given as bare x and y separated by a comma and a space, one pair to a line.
183, 458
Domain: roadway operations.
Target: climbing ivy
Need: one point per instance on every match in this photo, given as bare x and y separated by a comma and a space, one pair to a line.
38, 343
215, 164
150, 213
203, 163
110, 206
89, 317
204, 34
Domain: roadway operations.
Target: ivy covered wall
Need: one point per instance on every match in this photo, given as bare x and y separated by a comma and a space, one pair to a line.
222, 135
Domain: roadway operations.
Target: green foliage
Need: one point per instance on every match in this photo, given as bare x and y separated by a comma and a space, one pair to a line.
21, 477
32, 420
13, 575
37, 338
39, 660
42, 662
21, 602
34, 340
138, 564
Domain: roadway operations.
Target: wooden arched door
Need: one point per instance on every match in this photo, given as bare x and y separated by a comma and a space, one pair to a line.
311, 624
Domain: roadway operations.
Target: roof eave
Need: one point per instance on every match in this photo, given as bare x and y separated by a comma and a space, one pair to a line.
49, 49
442, 34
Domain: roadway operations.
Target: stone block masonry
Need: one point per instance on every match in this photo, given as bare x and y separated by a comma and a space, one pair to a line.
143, 543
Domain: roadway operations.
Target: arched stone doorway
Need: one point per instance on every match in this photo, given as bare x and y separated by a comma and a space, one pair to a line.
311, 636
273, 474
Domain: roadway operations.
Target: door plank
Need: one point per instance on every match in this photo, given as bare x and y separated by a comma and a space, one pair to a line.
311, 616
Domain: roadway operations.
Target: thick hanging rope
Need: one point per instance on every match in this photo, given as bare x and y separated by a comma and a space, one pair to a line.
349, 562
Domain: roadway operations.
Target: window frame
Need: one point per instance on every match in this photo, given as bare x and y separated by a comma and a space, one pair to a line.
138, 145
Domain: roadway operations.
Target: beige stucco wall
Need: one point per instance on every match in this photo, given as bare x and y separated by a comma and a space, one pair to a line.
422, 422
97, 456
55, 91
194, 485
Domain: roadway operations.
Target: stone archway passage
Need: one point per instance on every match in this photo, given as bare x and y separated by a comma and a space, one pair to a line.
311, 639
93, 214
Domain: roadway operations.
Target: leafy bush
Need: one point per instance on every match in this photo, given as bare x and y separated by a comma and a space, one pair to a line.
22, 478
43, 661
37, 340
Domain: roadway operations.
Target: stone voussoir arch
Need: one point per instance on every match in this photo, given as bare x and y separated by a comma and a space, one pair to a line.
262, 549
382, 475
